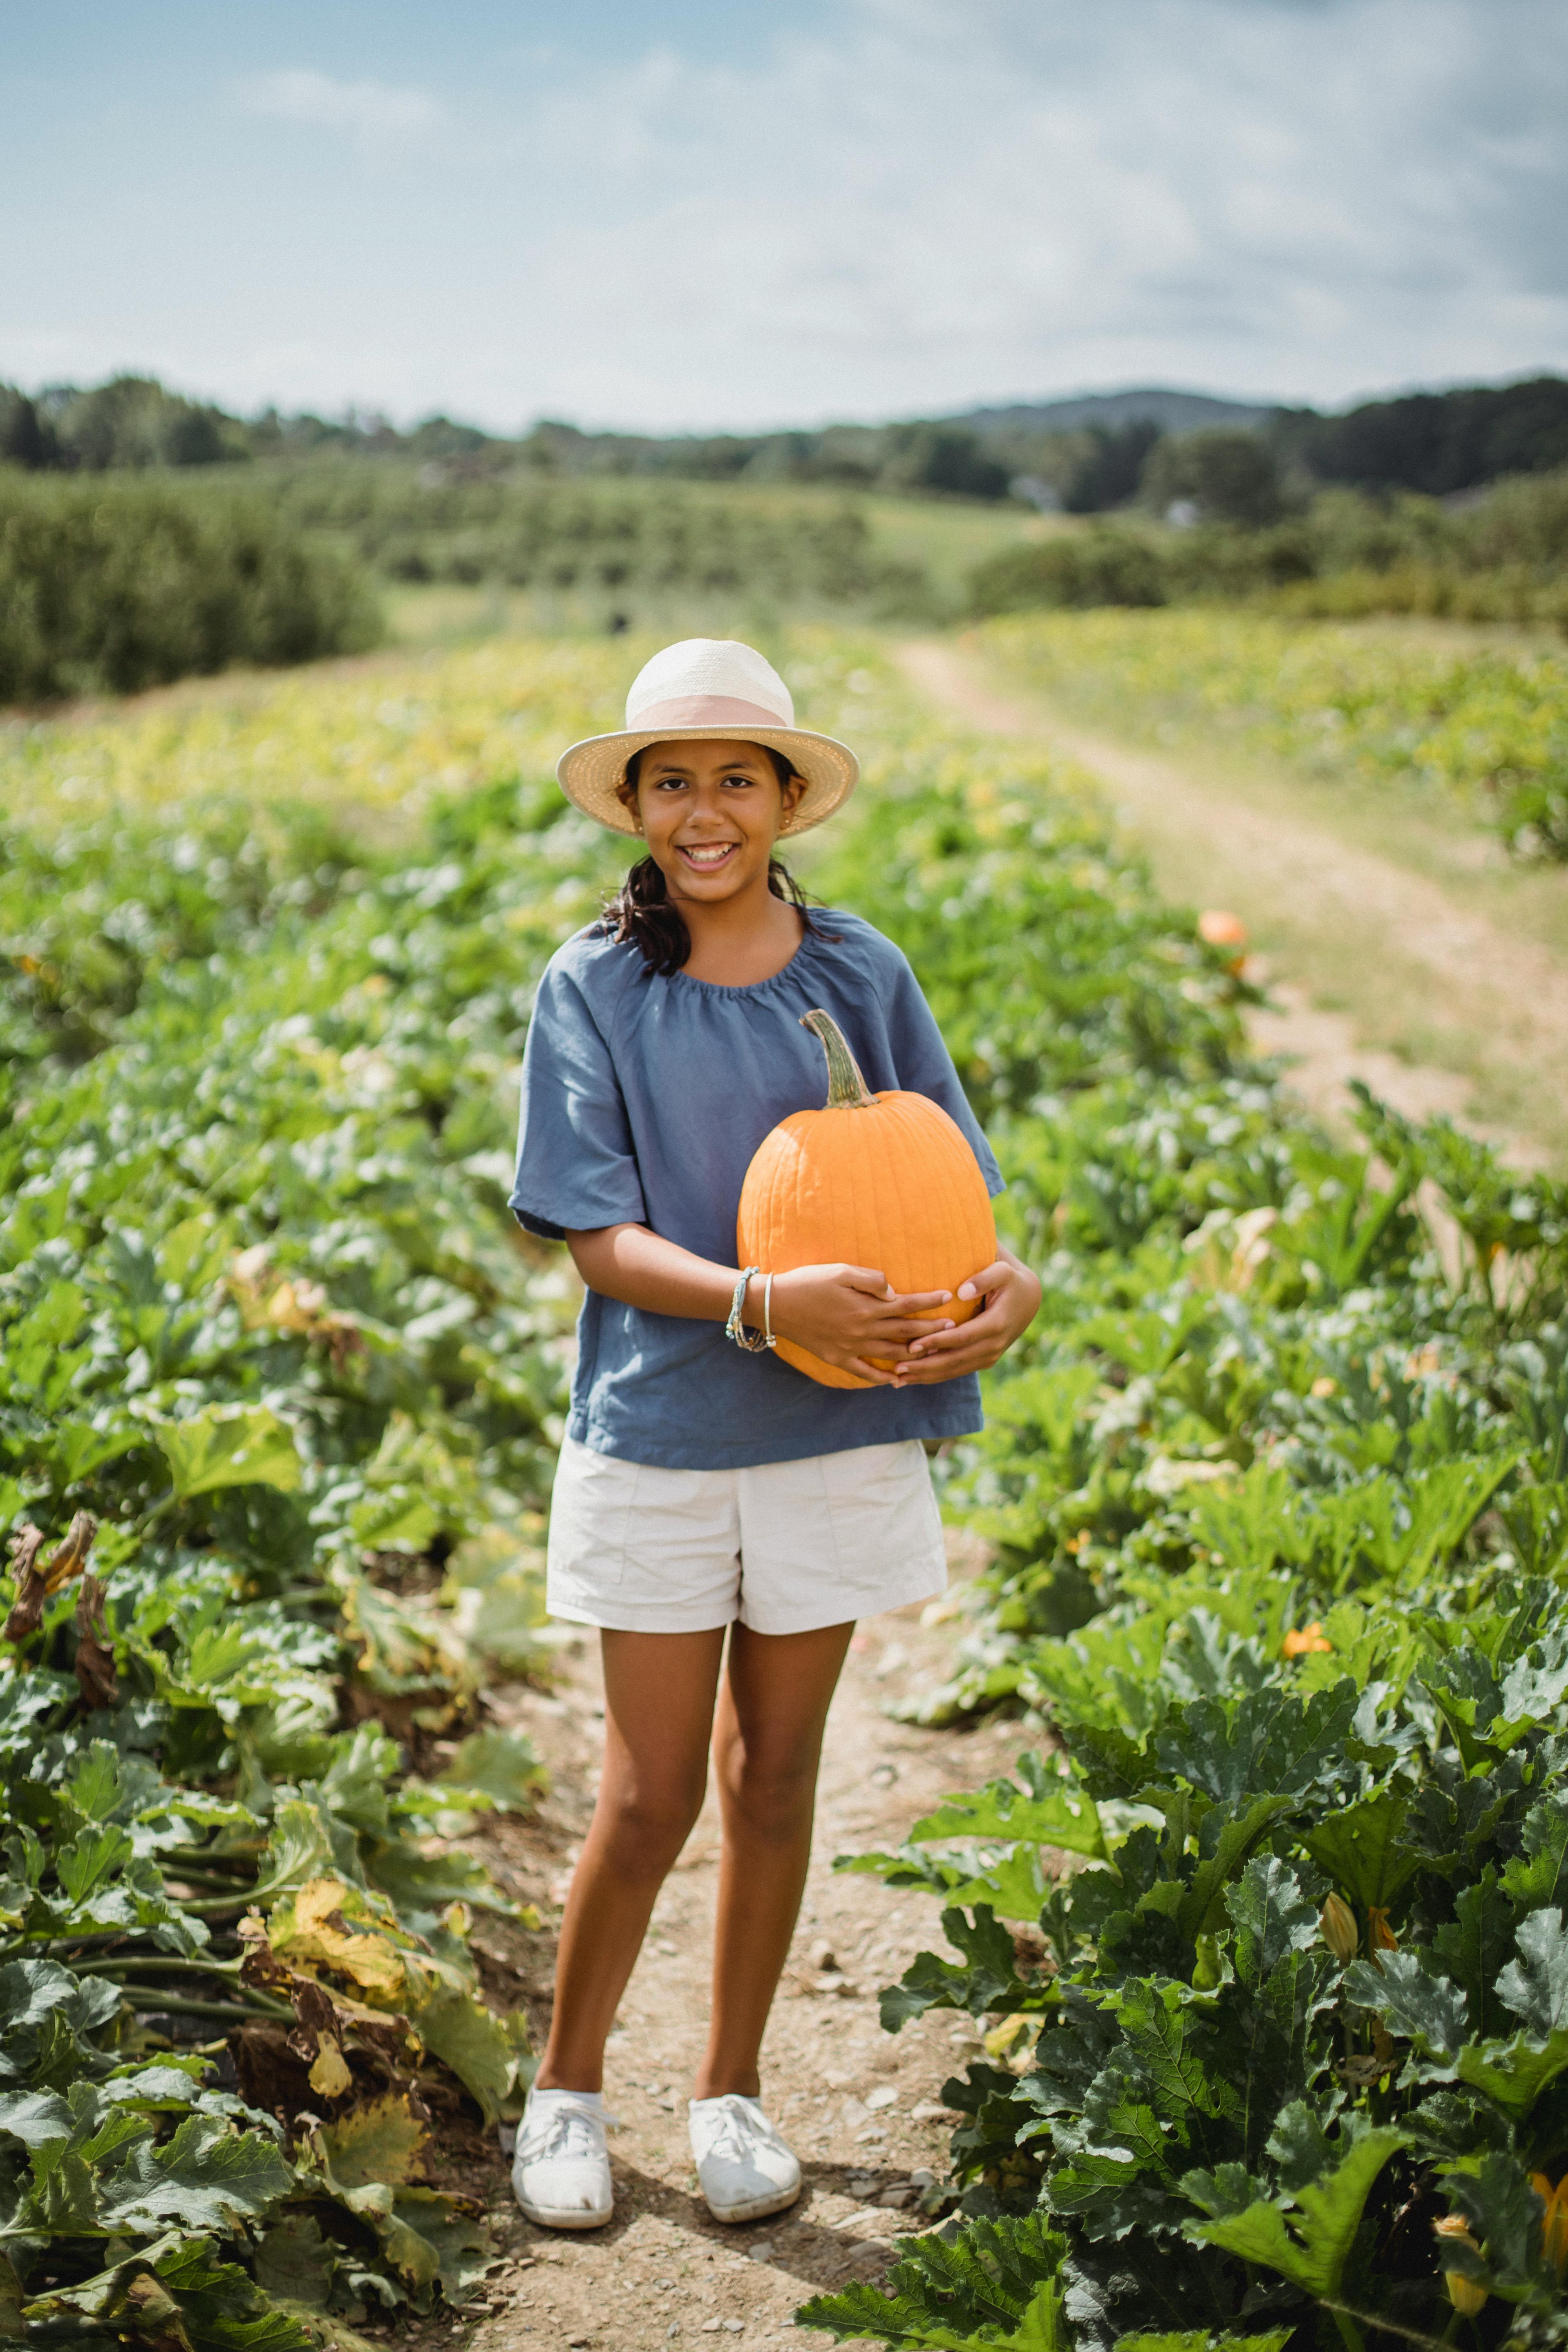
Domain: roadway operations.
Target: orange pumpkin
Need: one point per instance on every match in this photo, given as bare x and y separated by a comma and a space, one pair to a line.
886, 1181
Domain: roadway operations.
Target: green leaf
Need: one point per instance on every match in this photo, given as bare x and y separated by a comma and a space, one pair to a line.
1265, 1743
459, 2239
35, 2116
1327, 2215
1043, 2327
1272, 1915
1198, 2339
1299, 2146
489, 2054
500, 1765
94, 1787
1227, 1837
64, 2192
1363, 1849
1050, 1813
1539, 1875
986, 1979
1535, 1986
1417, 2005
205, 2176
1513, 2074
230, 1446
294, 2262
91, 1859
13, 2329
1474, 1946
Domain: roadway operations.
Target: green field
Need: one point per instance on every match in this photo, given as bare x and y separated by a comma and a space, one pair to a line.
1277, 1493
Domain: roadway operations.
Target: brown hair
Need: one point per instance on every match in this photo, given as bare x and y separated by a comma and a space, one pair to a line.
641, 913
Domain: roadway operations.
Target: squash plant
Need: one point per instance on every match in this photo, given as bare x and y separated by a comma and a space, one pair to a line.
266, 1345
1277, 1494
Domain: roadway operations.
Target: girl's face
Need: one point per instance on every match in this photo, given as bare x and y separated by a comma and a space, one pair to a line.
711, 813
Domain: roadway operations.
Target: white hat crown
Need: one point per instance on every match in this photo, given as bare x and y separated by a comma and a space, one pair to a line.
708, 682
719, 689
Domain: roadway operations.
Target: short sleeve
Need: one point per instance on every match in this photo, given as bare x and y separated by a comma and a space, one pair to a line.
576, 1169
925, 1066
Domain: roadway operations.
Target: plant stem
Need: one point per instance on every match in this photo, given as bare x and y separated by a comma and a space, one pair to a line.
161, 1964
151, 2003
1347, 2311
847, 1089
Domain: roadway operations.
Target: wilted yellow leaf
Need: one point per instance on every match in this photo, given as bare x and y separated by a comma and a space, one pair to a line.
376, 2146
317, 1924
330, 2076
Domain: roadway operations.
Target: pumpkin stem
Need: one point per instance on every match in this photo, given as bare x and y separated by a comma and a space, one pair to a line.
847, 1089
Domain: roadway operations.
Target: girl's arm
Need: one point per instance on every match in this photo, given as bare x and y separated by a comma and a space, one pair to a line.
837, 1311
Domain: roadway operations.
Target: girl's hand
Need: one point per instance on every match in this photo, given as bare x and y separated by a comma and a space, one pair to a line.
1012, 1295
840, 1312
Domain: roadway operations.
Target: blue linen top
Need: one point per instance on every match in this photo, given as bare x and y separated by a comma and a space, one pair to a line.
644, 1098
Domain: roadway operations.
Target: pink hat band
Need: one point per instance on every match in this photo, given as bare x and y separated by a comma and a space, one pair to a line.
707, 710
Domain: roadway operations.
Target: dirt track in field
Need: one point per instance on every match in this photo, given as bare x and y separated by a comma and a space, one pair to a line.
1215, 846
859, 2106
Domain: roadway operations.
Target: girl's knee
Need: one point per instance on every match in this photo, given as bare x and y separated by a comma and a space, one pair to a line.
770, 1794
646, 1829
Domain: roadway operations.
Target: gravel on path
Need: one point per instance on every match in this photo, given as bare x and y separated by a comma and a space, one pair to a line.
861, 2108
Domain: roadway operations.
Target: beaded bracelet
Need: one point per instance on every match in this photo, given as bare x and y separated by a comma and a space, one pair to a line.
735, 1328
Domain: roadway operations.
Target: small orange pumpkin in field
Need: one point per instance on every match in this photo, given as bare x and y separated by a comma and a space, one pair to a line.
886, 1181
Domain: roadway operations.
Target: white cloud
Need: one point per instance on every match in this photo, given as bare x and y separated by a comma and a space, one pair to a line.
369, 112
943, 199
906, 206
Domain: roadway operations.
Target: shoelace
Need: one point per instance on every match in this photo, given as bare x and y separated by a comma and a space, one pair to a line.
565, 2129
736, 2131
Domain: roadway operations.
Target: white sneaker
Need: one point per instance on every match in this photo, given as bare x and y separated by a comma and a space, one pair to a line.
743, 2164
560, 2171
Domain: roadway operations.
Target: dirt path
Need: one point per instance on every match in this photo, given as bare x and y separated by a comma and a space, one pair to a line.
1214, 846
859, 2106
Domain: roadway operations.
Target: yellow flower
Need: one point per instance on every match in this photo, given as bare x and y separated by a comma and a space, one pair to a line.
1554, 2220
1305, 1639
1380, 1936
1337, 1926
1467, 2295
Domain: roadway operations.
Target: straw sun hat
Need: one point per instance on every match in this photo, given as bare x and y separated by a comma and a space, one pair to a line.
708, 688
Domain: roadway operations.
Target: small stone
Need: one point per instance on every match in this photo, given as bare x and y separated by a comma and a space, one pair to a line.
820, 1954
885, 2097
929, 2111
712, 2326
872, 2131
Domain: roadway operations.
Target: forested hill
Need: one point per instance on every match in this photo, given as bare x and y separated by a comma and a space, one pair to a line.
1089, 449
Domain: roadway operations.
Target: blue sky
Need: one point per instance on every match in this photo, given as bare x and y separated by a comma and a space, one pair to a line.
698, 214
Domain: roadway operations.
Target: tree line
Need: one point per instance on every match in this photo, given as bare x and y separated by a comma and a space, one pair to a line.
1436, 443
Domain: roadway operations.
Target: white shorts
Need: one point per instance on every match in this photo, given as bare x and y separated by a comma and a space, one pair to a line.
786, 1545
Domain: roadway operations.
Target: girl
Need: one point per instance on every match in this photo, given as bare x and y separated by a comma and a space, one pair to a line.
705, 1487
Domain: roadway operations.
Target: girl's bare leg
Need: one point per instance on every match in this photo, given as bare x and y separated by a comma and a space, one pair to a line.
767, 1741
658, 1712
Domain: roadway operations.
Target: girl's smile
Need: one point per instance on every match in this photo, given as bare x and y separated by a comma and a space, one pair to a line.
706, 856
